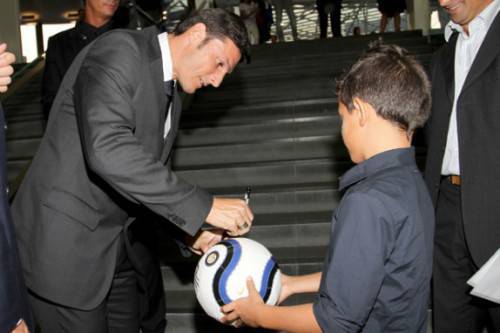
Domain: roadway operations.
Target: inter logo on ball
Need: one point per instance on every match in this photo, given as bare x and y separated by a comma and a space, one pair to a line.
221, 274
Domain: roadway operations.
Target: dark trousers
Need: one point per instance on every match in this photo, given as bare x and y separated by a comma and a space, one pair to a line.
141, 248
118, 313
454, 309
333, 8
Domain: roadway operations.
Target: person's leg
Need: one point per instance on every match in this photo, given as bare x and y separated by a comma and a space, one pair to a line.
397, 22
322, 18
142, 253
336, 20
278, 6
454, 309
122, 305
291, 17
52, 318
383, 23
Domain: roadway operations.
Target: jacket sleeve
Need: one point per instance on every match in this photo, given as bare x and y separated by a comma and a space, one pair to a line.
103, 95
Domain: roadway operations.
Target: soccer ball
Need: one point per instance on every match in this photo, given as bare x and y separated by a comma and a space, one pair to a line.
222, 271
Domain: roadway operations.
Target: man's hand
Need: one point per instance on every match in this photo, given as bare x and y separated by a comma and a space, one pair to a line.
232, 215
246, 309
6, 70
21, 328
204, 240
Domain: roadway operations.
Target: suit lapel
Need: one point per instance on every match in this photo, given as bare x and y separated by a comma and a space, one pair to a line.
156, 68
488, 51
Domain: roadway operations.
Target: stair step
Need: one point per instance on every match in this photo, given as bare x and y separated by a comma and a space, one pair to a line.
15, 168
260, 131
201, 115
22, 148
24, 129
276, 150
265, 175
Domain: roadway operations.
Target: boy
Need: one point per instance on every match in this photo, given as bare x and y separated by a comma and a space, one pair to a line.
378, 268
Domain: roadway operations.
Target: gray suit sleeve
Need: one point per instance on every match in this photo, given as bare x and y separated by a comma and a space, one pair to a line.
103, 95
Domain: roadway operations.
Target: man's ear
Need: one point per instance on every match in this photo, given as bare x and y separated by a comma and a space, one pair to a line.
197, 33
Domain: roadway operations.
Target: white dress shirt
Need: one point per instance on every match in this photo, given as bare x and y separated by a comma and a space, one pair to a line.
166, 60
465, 53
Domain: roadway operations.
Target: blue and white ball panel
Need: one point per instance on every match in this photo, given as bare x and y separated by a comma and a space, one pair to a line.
220, 276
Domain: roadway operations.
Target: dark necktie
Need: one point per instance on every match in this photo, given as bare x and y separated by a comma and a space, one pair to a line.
169, 88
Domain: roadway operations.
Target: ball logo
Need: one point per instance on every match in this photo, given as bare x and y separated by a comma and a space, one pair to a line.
212, 258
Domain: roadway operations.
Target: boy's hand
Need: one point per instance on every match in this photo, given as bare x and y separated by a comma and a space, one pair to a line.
245, 309
286, 290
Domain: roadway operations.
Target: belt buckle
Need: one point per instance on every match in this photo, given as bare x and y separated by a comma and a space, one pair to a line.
455, 179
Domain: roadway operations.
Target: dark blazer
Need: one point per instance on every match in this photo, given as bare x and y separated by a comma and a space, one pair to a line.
478, 119
13, 296
61, 51
101, 163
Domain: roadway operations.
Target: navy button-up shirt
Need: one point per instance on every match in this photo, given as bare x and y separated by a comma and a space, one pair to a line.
377, 271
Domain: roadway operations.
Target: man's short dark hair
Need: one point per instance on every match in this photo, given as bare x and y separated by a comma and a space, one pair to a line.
220, 24
392, 82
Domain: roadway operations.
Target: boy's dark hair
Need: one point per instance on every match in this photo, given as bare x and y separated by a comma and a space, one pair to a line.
220, 24
392, 82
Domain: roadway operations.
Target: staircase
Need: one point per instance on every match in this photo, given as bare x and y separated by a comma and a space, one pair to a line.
273, 126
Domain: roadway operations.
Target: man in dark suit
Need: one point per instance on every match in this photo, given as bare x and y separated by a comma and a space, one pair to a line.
103, 163
15, 315
98, 18
63, 47
463, 164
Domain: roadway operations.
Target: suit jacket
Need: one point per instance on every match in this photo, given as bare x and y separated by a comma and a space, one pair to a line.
101, 163
478, 120
61, 51
13, 296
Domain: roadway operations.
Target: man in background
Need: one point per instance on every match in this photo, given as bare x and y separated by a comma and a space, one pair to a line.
463, 164
63, 47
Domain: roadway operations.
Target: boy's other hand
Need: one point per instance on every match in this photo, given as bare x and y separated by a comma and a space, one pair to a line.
245, 309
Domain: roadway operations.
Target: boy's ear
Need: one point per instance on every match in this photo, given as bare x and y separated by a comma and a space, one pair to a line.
362, 110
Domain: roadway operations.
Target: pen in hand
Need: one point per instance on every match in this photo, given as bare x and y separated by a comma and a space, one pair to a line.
247, 195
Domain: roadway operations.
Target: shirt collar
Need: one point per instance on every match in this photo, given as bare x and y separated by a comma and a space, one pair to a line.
486, 17
89, 30
386, 160
165, 56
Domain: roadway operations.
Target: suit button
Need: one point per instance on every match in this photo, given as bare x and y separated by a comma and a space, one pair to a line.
5, 127
7, 190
